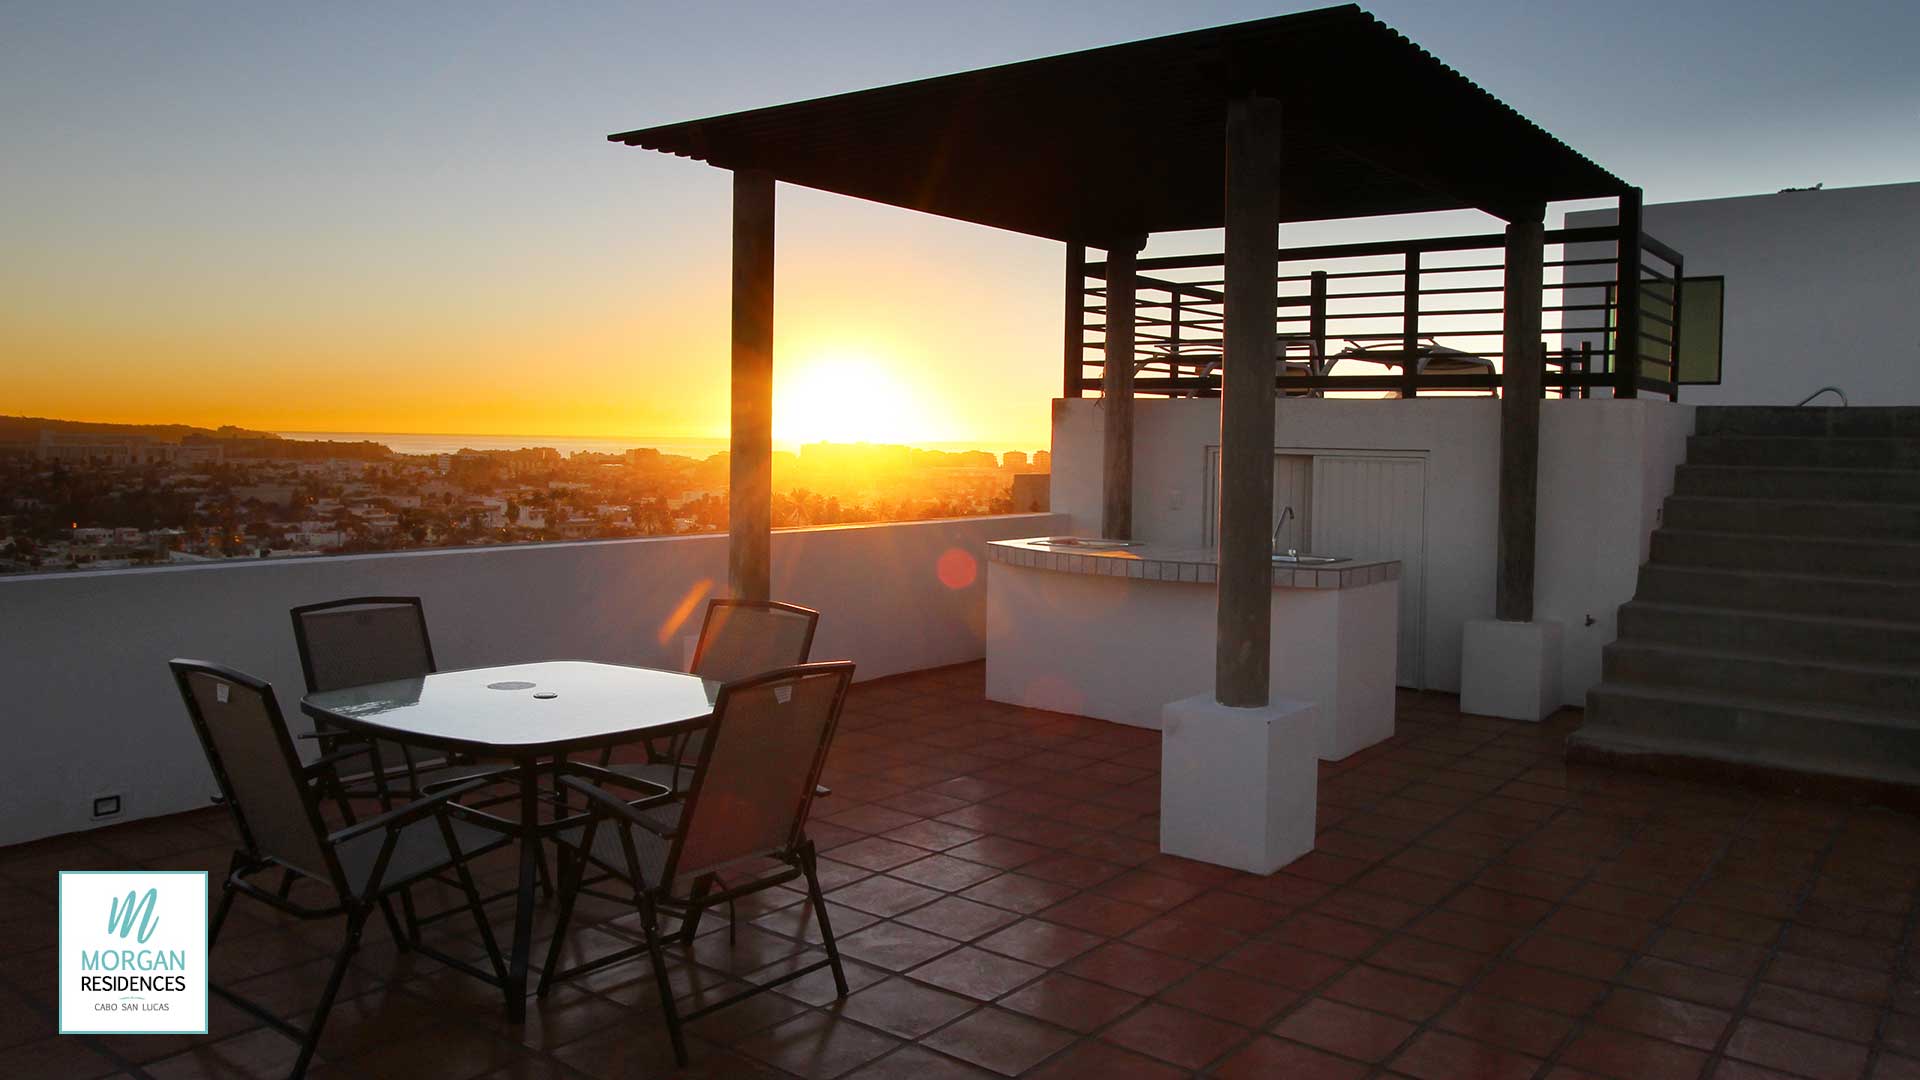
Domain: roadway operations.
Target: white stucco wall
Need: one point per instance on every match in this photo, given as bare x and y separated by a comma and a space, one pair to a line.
1821, 287
90, 707
1605, 466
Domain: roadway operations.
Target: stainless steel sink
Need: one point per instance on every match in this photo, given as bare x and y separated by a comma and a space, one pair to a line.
1086, 542
1296, 559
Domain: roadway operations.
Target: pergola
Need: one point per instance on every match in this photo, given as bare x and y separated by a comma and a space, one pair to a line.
1318, 115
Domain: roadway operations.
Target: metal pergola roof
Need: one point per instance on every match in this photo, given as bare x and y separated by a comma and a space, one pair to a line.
1121, 141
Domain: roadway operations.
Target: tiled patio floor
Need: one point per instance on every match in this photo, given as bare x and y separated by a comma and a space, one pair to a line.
1475, 909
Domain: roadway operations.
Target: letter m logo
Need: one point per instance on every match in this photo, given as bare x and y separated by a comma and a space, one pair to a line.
136, 911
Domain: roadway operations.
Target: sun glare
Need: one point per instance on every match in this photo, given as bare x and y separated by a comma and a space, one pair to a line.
844, 397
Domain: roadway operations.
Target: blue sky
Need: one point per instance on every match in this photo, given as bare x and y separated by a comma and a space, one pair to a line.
264, 185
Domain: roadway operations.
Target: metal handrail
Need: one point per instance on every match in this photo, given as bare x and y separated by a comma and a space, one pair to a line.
1844, 403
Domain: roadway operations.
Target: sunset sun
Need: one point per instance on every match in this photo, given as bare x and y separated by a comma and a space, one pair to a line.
845, 397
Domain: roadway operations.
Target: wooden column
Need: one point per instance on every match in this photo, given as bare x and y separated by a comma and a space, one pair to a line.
1626, 336
1116, 397
750, 481
1075, 336
1244, 632
1522, 366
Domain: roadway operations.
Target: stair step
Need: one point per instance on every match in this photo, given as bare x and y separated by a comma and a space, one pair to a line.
1868, 686
1802, 421
1785, 482
1902, 453
1840, 556
1794, 517
1630, 719
1828, 594
1771, 633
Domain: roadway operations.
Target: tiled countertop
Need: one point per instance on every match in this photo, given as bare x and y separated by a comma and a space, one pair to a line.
1159, 562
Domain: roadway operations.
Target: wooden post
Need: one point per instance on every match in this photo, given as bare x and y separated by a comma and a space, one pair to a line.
1317, 320
1243, 630
1626, 334
1116, 396
1075, 338
1410, 327
1522, 369
750, 490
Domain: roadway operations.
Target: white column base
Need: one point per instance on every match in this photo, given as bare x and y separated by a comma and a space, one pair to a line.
1510, 669
1239, 787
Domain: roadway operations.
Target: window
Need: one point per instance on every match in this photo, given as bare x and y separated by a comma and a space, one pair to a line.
1702, 313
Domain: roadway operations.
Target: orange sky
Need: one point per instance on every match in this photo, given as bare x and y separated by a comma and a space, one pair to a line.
891, 326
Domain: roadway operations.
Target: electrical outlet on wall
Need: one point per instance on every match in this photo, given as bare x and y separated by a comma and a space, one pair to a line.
106, 805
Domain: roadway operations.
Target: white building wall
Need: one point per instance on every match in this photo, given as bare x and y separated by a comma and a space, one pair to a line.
1821, 289
1605, 467
89, 707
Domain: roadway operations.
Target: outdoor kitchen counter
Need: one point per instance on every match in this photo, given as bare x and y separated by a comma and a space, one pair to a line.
1160, 562
1118, 633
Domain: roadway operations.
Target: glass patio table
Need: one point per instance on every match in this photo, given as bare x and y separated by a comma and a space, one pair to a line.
531, 715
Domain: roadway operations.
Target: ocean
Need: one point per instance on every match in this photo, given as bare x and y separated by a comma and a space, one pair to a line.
422, 443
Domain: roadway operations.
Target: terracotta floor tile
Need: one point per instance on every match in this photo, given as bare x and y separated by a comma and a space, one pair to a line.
1227, 996
998, 852
1186, 1039
904, 1008
883, 896
1345, 1030
1390, 992
1437, 1055
1800, 1052
995, 1039
1070, 1002
818, 1045
1095, 1060
1098, 914
1429, 960
1554, 990
876, 853
1131, 968
1181, 936
1465, 931
1571, 955
976, 974
1698, 1026
912, 1063
1292, 967
1833, 980
944, 872
1505, 1023
1312, 930
1802, 1009
894, 946
1686, 983
1017, 892
1232, 911
1038, 942
958, 918
1268, 1058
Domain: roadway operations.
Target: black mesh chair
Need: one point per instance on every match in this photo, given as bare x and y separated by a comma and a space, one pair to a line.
744, 812
738, 640
275, 802
363, 640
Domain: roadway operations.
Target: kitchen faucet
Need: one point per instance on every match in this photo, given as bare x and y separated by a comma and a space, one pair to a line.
1285, 513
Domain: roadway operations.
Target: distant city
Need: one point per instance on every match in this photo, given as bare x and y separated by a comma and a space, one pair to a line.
85, 496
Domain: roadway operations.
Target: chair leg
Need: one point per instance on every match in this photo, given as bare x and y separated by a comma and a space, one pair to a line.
572, 869
819, 902
393, 925
650, 925
690, 922
286, 884
479, 910
356, 919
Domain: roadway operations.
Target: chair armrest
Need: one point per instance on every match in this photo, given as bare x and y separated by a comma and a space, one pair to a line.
404, 815
608, 778
489, 775
606, 804
326, 762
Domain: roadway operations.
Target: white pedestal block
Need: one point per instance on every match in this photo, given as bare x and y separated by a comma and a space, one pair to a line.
1510, 669
1238, 787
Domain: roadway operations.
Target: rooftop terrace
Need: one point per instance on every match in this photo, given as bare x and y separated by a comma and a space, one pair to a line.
1475, 907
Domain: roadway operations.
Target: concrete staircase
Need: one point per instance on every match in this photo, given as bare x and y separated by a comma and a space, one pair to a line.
1775, 633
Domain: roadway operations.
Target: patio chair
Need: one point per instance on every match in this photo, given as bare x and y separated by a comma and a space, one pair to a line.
744, 812
738, 639
275, 802
362, 640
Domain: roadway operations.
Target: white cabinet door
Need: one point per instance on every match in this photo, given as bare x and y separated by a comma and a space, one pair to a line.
1375, 507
